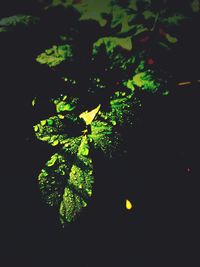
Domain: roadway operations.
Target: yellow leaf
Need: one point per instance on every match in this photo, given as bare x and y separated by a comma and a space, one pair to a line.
88, 117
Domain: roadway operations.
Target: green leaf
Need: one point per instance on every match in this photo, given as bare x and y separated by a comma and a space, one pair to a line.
123, 18
50, 130
111, 43
53, 129
94, 10
79, 186
122, 106
65, 104
52, 179
104, 136
67, 178
146, 81
70, 206
55, 55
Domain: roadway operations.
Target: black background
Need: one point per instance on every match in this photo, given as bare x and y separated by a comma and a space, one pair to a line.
163, 227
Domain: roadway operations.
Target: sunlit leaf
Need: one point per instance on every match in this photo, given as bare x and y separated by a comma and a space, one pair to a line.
88, 117
55, 55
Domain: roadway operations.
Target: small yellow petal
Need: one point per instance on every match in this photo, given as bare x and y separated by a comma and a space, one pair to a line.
128, 205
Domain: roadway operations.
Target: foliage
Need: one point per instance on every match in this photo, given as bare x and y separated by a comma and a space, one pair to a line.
126, 31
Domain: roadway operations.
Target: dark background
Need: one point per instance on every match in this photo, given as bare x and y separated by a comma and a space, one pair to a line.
159, 173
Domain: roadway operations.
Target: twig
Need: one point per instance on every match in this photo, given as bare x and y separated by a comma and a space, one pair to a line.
187, 83
155, 22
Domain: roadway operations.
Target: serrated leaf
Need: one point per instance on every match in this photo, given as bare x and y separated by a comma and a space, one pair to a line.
79, 186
